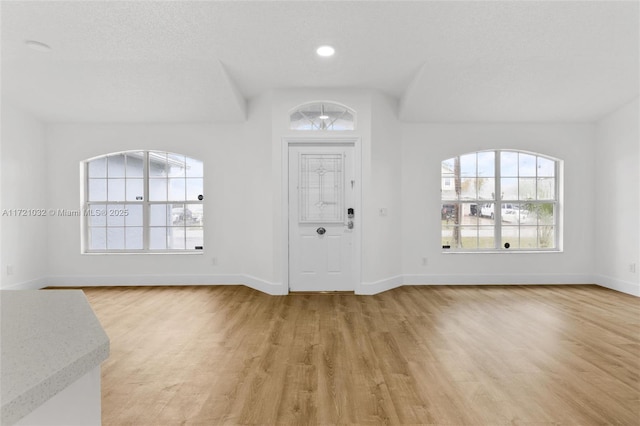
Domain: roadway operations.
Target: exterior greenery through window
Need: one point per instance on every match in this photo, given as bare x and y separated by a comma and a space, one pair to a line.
143, 201
499, 200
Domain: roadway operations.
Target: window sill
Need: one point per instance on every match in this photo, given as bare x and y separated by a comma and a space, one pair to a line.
137, 253
501, 251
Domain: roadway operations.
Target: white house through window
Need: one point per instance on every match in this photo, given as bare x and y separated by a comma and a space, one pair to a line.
143, 201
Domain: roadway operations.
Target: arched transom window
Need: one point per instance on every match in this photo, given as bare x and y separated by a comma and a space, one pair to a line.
322, 116
500, 200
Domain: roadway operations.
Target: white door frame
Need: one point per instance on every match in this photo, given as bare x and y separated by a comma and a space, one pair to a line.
329, 140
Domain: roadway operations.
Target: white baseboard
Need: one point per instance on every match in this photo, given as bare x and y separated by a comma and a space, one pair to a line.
140, 280
366, 288
627, 287
492, 279
152, 280
35, 284
274, 289
379, 286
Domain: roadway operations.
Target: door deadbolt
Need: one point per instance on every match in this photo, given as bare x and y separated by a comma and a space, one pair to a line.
321, 231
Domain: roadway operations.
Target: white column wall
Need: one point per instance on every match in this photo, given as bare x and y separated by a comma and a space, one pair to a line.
383, 201
23, 240
616, 222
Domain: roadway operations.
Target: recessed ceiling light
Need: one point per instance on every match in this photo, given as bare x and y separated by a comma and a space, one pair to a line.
38, 46
325, 51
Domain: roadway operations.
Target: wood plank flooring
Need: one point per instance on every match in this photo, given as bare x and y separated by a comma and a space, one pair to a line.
451, 355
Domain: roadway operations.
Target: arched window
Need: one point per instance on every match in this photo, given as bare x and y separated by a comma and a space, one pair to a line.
500, 200
143, 201
322, 116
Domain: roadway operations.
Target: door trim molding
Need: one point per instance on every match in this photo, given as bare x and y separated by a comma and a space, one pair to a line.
317, 140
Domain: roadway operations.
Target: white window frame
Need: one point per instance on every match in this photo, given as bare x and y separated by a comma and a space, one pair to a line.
145, 203
498, 201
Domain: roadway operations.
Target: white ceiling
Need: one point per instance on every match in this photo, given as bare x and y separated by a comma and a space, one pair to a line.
447, 61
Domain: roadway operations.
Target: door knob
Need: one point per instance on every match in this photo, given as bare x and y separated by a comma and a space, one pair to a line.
321, 231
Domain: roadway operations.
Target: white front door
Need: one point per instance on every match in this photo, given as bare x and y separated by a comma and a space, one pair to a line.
322, 218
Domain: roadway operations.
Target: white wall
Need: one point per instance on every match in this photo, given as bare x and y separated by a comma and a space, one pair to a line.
24, 175
243, 193
230, 188
260, 188
426, 145
617, 222
243, 197
382, 241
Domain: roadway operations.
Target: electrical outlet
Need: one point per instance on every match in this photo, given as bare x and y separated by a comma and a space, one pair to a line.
214, 261
9, 269
425, 261
632, 268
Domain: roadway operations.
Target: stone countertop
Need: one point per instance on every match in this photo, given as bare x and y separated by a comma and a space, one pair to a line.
48, 340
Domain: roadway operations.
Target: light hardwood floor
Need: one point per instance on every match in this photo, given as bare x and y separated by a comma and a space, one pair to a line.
464, 355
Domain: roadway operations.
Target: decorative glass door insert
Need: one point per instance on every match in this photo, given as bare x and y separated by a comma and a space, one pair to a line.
321, 188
